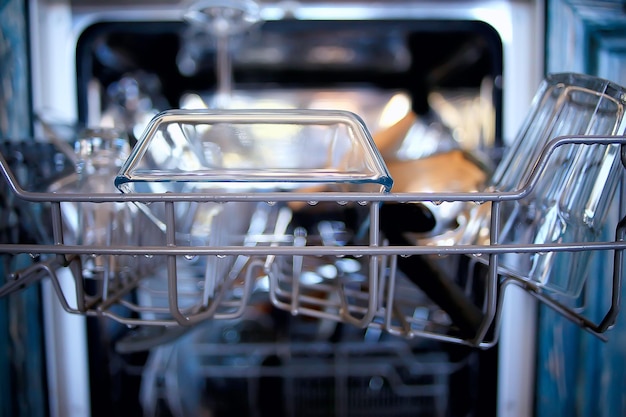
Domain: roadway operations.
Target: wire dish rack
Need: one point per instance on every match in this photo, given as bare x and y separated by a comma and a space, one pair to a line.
238, 368
322, 272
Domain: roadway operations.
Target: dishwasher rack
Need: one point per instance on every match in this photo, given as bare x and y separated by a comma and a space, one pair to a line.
305, 378
375, 296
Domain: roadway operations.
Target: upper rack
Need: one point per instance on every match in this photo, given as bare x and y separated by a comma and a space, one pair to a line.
319, 269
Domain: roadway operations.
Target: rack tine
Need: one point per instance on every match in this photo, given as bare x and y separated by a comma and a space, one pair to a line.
27, 276
299, 240
618, 265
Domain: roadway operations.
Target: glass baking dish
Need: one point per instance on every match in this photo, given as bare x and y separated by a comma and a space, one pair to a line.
248, 155
276, 149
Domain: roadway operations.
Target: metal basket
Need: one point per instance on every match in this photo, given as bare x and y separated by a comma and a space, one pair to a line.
380, 298
237, 368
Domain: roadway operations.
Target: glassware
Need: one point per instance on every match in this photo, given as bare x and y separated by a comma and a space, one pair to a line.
191, 151
223, 19
573, 194
99, 153
217, 152
276, 149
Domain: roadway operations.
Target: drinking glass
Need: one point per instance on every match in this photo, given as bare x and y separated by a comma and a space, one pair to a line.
98, 155
573, 193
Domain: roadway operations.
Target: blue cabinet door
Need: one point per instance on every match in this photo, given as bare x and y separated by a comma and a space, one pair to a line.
578, 374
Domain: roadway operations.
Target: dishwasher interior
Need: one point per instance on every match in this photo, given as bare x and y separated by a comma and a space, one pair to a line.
267, 361
324, 317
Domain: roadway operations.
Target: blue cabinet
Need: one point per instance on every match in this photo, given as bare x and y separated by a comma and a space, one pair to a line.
22, 367
578, 374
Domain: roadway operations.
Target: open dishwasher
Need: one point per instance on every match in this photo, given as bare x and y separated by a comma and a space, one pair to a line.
275, 272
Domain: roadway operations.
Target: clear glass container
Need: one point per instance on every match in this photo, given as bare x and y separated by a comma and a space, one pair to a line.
251, 153
222, 151
98, 155
573, 194
254, 150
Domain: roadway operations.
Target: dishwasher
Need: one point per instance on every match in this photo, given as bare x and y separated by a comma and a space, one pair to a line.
319, 211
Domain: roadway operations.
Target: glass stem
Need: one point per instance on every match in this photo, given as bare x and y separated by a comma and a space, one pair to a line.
224, 71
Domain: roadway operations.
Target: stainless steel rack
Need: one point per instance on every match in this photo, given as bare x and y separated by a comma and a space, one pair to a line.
377, 297
317, 378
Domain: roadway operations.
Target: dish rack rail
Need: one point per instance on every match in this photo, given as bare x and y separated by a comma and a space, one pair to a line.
164, 288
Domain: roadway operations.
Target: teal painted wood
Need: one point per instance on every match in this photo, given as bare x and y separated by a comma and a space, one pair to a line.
577, 374
22, 368
15, 120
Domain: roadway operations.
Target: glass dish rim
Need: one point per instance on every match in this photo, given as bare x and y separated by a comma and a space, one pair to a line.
128, 172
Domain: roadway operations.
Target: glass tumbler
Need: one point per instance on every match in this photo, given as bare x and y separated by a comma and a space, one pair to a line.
573, 193
99, 153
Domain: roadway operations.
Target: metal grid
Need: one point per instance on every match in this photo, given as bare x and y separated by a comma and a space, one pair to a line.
297, 378
380, 299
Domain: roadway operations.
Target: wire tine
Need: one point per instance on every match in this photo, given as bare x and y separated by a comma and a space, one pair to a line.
299, 240
391, 290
